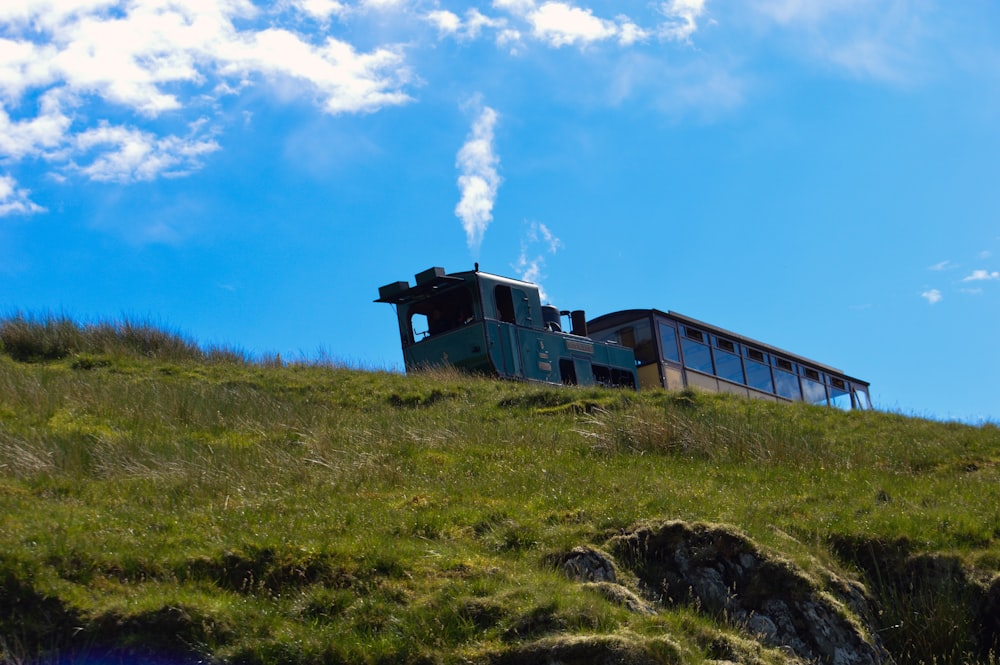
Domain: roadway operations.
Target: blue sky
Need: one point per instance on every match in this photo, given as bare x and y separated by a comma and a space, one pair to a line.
819, 175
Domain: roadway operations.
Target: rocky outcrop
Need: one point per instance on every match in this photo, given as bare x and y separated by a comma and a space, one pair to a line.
597, 570
586, 564
723, 573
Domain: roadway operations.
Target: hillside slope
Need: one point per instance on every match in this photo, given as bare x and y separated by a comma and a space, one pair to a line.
160, 502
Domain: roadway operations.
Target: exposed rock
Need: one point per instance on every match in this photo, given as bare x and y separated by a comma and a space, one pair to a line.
725, 574
597, 571
586, 564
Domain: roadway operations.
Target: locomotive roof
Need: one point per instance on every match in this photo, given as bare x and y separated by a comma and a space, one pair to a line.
434, 280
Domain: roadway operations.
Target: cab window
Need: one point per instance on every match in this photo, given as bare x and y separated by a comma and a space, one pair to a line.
440, 314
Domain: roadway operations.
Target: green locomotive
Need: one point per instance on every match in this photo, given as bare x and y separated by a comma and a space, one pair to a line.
496, 325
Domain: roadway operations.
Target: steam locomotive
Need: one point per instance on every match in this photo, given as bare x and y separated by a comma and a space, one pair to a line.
489, 324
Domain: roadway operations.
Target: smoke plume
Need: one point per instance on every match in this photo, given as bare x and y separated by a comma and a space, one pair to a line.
478, 180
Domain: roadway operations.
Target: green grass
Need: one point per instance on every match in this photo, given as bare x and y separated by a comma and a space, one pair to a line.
160, 497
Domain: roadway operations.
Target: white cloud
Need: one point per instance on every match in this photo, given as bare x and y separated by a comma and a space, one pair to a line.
942, 265
559, 24
932, 296
126, 55
320, 9
629, 33
34, 136
447, 22
981, 276
47, 14
681, 18
23, 65
346, 80
475, 21
479, 181
15, 201
128, 155
68, 66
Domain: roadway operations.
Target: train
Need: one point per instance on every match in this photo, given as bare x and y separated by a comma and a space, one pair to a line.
489, 324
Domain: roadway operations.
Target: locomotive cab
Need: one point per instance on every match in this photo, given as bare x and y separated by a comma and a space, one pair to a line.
490, 324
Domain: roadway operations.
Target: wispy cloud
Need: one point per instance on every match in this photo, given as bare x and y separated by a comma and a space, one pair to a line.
942, 265
863, 38
129, 155
478, 180
559, 24
981, 276
14, 200
932, 296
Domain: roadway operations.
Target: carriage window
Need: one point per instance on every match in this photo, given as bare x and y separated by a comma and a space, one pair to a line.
759, 376
839, 396
645, 349
813, 392
696, 335
728, 366
786, 384
727, 362
861, 398
725, 345
626, 337
668, 342
639, 338
697, 354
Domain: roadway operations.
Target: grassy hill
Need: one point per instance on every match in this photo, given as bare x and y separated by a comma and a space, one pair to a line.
176, 504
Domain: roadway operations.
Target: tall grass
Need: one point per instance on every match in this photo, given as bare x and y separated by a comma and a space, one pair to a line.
34, 338
262, 512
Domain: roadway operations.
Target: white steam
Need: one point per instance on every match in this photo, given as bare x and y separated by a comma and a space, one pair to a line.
531, 261
479, 180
